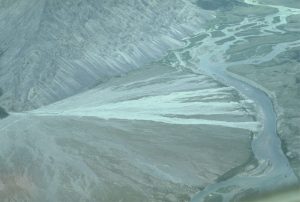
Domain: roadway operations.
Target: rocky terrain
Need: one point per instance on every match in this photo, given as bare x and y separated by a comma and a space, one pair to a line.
51, 49
101, 108
148, 100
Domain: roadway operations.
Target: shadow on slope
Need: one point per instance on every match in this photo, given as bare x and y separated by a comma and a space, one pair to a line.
3, 113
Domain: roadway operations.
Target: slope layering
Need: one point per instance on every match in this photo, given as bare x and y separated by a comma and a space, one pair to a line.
51, 49
131, 101
157, 134
160, 133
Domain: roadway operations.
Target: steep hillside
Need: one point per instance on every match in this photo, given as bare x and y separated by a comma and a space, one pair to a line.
51, 49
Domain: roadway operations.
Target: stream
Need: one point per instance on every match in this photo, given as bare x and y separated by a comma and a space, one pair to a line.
157, 101
205, 56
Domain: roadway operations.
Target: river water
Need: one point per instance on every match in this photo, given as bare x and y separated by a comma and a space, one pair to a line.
208, 56
273, 168
204, 54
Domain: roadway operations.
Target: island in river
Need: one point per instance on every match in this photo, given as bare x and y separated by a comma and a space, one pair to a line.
133, 101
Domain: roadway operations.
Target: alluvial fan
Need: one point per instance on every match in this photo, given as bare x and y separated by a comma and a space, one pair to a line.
156, 134
117, 100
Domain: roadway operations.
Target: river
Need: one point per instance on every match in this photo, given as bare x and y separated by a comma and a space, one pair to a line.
273, 169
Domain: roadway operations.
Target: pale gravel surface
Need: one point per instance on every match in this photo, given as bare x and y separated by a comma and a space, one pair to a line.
157, 134
54, 154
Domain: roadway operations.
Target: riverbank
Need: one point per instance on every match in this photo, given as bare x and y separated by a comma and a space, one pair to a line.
283, 86
274, 67
248, 35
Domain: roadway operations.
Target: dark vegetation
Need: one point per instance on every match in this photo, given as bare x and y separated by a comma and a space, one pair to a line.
3, 113
295, 55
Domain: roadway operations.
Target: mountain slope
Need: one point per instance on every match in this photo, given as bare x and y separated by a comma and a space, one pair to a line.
52, 49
